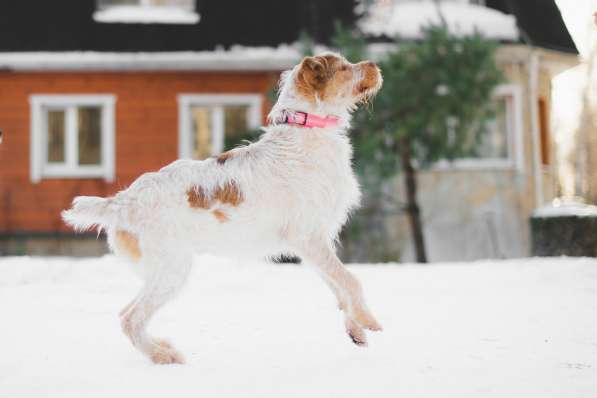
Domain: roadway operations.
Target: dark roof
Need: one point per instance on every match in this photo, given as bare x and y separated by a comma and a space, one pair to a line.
33, 25
539, 21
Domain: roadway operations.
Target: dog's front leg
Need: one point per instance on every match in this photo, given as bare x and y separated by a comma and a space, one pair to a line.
340, 294
347, 288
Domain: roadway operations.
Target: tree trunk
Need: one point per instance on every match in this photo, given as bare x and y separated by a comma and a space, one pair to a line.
412, 207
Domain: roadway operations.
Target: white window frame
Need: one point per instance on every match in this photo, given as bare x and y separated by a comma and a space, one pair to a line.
40, 168
217, 102
515, 159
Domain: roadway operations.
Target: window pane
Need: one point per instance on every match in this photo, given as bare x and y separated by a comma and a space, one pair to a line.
494, 139
90, 135
201, 130
56, 120
235, 123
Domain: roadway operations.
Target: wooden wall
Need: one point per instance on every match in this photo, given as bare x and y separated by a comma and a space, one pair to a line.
146, 135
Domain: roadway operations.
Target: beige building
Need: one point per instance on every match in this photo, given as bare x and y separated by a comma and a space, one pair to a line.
479, 208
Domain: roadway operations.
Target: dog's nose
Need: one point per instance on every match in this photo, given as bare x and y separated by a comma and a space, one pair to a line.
367, 65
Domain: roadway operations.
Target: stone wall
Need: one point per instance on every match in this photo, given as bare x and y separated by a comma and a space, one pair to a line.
53, 245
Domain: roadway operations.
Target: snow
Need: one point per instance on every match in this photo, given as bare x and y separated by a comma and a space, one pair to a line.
236, 58
407, 18
518, 328
566, 209
146, 14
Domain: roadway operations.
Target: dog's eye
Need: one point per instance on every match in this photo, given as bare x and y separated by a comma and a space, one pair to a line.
344, 68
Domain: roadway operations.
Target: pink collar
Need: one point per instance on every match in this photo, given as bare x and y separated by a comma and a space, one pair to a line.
308, 119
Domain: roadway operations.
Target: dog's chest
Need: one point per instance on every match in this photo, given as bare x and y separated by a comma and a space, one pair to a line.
330, 178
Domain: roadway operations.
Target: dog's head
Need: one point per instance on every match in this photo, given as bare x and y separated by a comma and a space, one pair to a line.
330, 78
327, 84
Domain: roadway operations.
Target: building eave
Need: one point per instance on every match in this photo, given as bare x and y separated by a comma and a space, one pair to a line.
235, 59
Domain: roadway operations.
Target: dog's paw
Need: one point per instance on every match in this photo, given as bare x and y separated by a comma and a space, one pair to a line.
164, 354
356, 333
162, 343
373, 325
366, 320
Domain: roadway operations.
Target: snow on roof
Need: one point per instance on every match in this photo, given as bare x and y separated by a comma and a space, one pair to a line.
146, 14
406, 19
236, 58
566, 209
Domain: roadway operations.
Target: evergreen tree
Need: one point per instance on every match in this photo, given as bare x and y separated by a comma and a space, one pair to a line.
434, 104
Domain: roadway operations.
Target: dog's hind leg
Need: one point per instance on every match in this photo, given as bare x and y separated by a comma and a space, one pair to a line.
345, 285
167, 277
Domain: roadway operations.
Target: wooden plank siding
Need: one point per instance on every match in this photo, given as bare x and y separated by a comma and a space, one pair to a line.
146, 134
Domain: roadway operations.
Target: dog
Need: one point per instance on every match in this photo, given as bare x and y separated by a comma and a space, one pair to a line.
289, 192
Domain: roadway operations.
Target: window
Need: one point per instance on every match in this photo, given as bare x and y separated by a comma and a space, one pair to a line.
146, 11
72, 136
544, 131
501, 141
207, 121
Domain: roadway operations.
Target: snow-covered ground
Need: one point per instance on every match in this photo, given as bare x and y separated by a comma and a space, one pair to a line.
519, 328
566, 209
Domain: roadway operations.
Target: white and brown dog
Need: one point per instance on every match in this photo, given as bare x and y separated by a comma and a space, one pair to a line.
289, 192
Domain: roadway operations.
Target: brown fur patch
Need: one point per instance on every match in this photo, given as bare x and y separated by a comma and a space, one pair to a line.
223, 157
229, 193
220, 215
129, 244
197, 198
322, 76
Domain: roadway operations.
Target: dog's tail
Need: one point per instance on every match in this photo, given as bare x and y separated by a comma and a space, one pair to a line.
88, 212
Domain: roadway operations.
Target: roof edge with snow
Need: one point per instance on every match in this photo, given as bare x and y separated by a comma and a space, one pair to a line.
236, 58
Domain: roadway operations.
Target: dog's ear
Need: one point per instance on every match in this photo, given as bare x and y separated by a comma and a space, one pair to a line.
313, 71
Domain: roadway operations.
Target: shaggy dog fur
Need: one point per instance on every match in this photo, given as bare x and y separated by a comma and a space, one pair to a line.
289, 192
